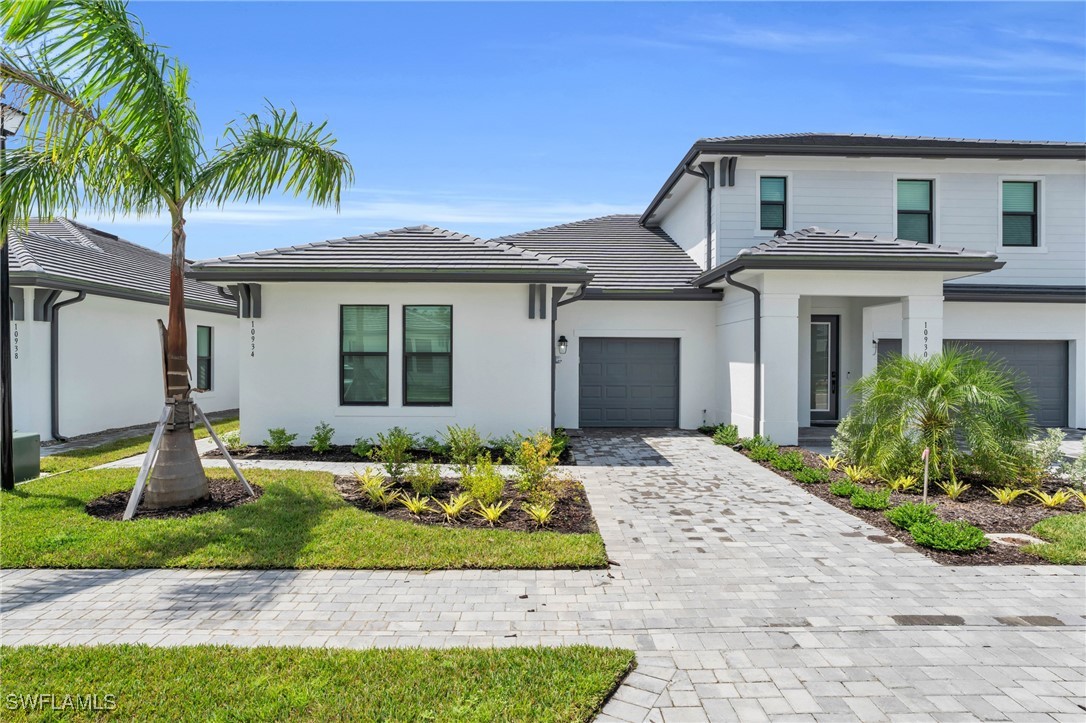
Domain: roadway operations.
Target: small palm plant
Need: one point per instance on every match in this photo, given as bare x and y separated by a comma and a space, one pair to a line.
416, 504
1057, 499
832, 463
455, 506
953, 488
858, 473
541, 514
902, 483
1006, 495
492, 513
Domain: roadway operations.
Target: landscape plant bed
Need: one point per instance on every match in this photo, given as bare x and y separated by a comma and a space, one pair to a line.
572, 513
343, 453
223, 494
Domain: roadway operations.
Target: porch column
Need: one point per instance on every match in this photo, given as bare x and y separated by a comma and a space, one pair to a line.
780, 367
921, 326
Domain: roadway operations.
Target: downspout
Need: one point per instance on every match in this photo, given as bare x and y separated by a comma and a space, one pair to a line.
54, 364
705, 171
757, 348
556, 295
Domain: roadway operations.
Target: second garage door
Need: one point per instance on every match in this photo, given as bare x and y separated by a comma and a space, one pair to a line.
629, 382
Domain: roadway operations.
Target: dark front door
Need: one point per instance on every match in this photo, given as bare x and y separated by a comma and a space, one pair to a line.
825, 349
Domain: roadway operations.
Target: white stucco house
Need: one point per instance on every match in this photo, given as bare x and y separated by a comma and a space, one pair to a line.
766, 276
86, 354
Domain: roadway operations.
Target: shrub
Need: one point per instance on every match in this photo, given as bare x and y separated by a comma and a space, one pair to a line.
424, 477
1051, 501
483, 481
377, 489
756, 441
279, 441
492, 513
708, 429
541, 514
811, 475
369, 478
560, 441
952, 488
394, 451
764, 452
455, 506
788, 461
911, 513
831, 463
363, 447
1040, 456
416, 505
726, 434
950, 536
464, 444
1006, 495
857, 473
844, 488
232, 440
870, 499
321, 441
902, 483
434, 446
535, 461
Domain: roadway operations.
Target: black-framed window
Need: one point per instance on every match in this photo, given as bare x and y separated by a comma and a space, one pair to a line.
1019, 213
915, 210
203, 357
773, 199
363, 352
427, 355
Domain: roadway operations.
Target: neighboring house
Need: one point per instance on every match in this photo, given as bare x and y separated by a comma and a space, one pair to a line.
767, 275
85, 342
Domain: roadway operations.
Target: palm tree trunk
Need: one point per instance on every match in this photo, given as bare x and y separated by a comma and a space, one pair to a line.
178, 477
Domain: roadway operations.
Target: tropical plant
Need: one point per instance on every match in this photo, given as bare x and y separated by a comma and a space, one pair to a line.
455, 506
363, 447
726, 434
377, 488
279, 441
844, 488
858, 473
232, 440
321, 441
1005, 495
111, 128
911, 513
832, 463
811, 475
864, 499
416, 505
788, 461
902, 483
953, 488
966, 409
559, 442
482, 480
393, 450
1056, 499
540, 514
1081, 496
957, 536
464, 444
424, 477
493, 512
369, 477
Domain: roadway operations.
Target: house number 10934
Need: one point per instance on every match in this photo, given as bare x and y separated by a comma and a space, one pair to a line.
252, 338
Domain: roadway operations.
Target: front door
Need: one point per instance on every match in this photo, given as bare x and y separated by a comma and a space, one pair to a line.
824, 353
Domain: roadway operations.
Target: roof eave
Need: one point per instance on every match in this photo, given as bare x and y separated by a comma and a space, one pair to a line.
855, 263
67, 283
220, 274
680, 294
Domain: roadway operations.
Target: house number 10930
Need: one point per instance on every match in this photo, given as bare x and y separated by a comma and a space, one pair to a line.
925, 340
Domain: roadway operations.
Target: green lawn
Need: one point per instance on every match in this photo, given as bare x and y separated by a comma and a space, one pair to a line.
115, 450
1066, 539
299, 522
209, 683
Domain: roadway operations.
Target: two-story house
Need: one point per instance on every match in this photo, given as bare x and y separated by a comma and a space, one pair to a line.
766, 276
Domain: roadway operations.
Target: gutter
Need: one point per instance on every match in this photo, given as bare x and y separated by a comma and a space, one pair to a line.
757, 347
54, 361
576, 297
745, 261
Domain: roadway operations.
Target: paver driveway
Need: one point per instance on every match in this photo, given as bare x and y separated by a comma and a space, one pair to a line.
746, 598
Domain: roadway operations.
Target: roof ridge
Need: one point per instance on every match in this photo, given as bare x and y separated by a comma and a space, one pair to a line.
76, 231
21, 253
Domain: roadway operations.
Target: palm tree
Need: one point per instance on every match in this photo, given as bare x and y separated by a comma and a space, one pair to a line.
964, 407
111, 128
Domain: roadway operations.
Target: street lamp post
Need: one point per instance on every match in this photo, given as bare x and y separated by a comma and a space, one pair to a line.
11, 119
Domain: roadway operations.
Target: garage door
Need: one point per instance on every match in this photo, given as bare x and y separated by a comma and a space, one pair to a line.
1043, 363
629, 382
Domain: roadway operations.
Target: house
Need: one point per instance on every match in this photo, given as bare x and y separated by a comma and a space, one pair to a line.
86, 354
766, 276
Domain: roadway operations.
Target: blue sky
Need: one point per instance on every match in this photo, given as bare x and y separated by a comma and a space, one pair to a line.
494, 118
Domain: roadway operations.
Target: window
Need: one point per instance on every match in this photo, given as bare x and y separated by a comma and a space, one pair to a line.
427, 355
914, 211
1019, 213
363, 351
771, 196
203, 357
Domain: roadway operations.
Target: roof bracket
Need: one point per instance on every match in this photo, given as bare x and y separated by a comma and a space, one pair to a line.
18, 304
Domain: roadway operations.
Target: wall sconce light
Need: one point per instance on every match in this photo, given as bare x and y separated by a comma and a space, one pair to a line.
563, 344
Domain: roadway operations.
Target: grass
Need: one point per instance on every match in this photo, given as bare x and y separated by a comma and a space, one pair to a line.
80, 459
214, 683
1065, 537
299, 522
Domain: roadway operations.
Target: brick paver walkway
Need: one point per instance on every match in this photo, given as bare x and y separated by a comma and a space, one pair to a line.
746, 598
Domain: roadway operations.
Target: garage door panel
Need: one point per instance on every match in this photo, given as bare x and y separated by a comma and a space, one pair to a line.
629, 382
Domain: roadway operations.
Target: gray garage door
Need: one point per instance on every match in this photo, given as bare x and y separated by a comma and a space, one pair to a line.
629, 382
1043, 363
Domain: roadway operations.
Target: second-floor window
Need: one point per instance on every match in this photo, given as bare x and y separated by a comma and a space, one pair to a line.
1019, 213
203, 357
772, 199
914, 211
363, 349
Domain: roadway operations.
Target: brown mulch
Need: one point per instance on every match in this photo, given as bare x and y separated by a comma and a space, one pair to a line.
976, 506
343, 453
572, 513
224, 494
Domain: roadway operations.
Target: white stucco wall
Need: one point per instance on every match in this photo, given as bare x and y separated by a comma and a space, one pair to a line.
691, 322
501, 361
110, 365
685, 222
735, 360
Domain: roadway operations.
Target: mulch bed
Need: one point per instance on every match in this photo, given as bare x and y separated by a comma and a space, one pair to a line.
572, 513
224, 494
976, 506
343, 453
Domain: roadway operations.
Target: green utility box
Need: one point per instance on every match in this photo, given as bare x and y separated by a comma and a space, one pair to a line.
27, 456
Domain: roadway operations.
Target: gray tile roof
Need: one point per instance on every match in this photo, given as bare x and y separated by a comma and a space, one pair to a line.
816, 248
621, 254
413, 253
63, 253
866, 140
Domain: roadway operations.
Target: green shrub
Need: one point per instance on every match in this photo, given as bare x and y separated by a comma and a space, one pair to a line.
763, 452
788, 461
870, 499
535, 461
844, 488
279, 441
232, 440
726, 434
434, 446
560, 441
482, 480
746, 443
394, 451
321, 441
464, 443
950, 536
911, 513
363, 447
811, 475
424, 478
